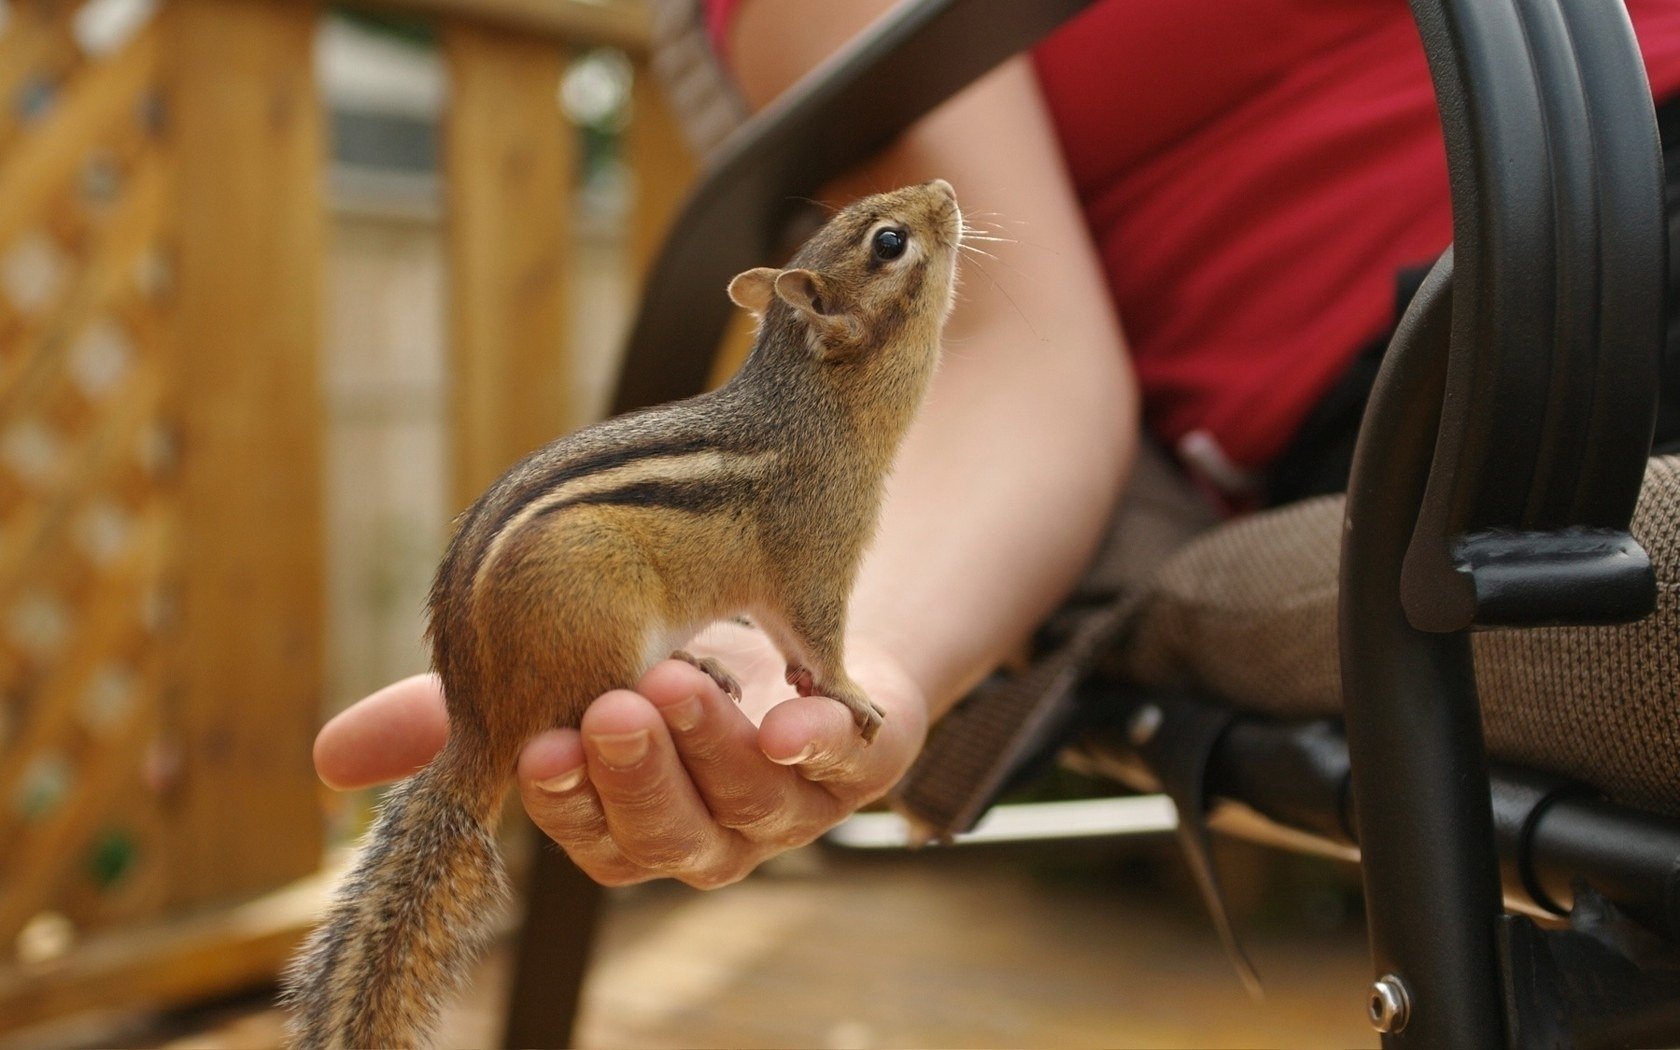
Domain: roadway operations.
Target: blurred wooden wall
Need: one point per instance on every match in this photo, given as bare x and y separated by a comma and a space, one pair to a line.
162, 524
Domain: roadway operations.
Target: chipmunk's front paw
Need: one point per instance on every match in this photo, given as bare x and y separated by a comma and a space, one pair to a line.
714, 671
864, 712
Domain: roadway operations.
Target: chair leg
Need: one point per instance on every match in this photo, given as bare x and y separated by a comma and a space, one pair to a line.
562, 908
1420, 777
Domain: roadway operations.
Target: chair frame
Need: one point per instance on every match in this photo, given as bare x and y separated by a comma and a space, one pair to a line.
1498, 465
1497, 470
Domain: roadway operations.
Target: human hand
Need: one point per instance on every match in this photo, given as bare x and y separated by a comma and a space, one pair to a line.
673, 779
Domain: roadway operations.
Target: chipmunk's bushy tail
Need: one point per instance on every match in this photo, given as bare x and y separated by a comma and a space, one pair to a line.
411, 917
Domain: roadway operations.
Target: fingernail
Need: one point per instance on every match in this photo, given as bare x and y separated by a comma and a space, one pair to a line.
809, 752
562, 783
622, 750
684, 714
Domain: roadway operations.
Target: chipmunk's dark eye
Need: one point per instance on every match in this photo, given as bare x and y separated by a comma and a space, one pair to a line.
890, 243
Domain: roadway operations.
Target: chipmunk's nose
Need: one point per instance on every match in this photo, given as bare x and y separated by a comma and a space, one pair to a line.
950, 217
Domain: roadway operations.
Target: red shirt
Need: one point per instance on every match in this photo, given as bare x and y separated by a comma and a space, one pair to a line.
1254, 174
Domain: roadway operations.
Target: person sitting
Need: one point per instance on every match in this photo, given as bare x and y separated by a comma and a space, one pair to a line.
1206, 208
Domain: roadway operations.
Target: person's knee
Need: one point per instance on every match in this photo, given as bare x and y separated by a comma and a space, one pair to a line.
772, 43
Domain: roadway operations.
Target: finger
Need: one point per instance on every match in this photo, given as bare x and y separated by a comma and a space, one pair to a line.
554, 784
652, 809
389, 735
817, 736
718, 746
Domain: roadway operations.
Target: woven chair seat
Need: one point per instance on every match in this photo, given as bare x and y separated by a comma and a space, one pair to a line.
1247, 613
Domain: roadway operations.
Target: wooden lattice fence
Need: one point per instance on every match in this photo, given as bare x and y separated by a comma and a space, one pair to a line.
89, 505
161, 592
160, 575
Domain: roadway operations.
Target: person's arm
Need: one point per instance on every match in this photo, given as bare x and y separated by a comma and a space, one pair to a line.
998, 500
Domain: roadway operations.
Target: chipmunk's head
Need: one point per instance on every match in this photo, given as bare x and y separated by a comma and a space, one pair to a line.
878, 274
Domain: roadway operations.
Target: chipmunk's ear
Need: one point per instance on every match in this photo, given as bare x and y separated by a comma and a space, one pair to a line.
832, 330
752, 289
804, 291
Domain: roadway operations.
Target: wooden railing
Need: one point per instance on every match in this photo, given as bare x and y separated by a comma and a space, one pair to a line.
162, 235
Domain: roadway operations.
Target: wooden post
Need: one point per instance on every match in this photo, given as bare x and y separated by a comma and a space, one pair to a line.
246, 129
613, 23
665, 169
661, 162
508, 157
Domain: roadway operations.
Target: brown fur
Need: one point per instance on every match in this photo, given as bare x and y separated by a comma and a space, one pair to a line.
599, 553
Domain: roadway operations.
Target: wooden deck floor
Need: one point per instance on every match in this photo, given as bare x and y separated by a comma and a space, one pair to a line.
1002, 947
960, 950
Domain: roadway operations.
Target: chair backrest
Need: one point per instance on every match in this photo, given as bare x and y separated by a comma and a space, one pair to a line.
1557, 318
841, 113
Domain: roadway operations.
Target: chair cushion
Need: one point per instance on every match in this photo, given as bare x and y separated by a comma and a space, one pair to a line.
1247, 612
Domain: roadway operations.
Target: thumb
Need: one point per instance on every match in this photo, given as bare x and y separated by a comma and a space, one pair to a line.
386, 736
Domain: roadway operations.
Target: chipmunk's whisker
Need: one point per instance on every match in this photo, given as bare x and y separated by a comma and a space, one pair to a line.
984, 233
1001, 290
1005, 263
995, 225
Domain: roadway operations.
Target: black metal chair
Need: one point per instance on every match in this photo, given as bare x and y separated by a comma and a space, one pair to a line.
1499, 465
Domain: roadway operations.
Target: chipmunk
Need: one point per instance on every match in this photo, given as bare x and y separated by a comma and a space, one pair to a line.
597, 555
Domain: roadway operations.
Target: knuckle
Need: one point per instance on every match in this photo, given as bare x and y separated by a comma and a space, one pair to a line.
754, 816
789, 835
666, 853
614, 876
701, 750
780, 834
600, 859
715, 880
794, 837
640, 802
705, 746
851, 784
837, 764
834, 760
568, 822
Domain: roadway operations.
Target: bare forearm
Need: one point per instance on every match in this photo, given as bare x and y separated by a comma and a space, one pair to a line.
999, 498
1006, 481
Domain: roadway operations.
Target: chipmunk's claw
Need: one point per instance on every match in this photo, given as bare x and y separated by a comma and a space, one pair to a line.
864, 712
714, 670
802, 680
869, 721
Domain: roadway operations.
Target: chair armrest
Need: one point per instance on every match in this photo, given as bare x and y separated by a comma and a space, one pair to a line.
1497, 466
841, 113
1557, 317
